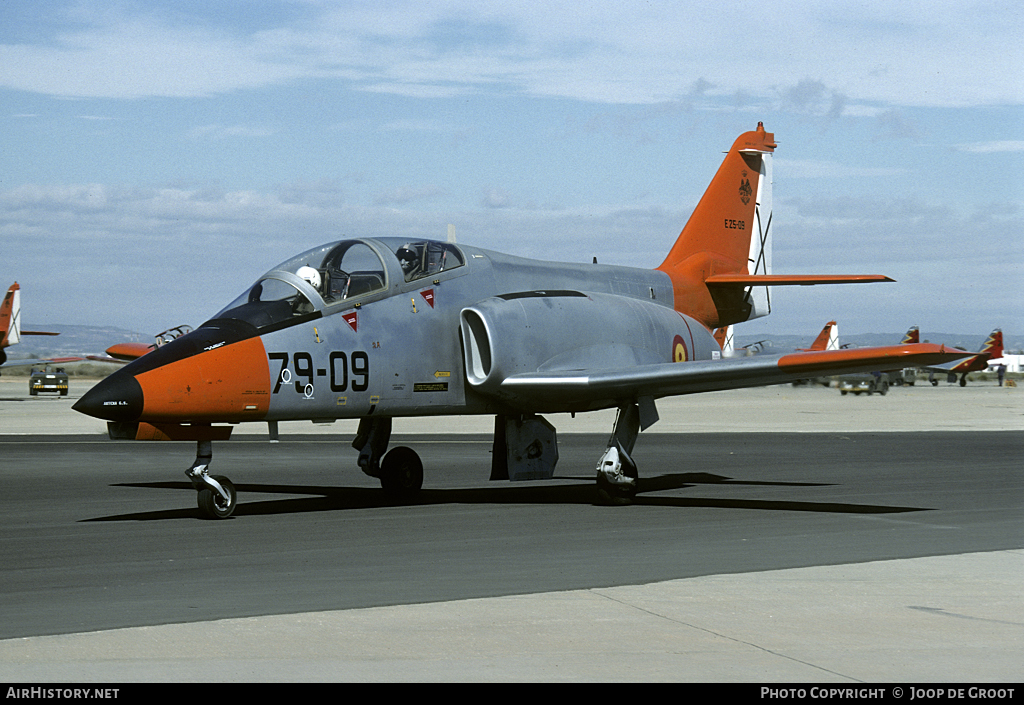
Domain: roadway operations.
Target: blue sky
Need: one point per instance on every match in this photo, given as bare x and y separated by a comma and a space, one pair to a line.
158, 156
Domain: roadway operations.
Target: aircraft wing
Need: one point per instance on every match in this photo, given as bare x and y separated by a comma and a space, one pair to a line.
673, 378
35, 361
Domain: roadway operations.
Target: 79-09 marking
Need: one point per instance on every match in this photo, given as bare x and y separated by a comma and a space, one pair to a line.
347, 371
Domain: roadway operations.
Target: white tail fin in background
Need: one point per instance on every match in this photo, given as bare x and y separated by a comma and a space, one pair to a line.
724, 337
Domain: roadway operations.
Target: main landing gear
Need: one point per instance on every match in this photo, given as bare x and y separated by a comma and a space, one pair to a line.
217, 498
616, 472
399, 470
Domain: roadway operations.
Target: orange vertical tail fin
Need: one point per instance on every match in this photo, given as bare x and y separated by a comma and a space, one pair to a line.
828, 338
728, 233
10, 317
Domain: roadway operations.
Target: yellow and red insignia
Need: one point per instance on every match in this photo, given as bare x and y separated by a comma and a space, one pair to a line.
679, 352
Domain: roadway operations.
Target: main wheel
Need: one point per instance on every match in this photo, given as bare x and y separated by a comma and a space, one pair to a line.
401, 472
614, 495
212, 505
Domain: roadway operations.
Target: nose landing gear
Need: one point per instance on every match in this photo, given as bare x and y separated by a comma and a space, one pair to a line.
216, 494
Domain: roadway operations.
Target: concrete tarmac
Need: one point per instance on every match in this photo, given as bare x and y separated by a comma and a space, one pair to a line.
931, 619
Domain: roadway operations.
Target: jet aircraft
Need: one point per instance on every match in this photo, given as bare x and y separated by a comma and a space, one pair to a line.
828, 338
381, 328
126, 352
992, 349
10, 328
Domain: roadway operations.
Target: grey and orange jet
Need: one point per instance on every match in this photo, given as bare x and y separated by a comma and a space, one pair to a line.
383, 328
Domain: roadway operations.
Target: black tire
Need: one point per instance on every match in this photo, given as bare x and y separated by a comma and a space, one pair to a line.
212, 505
401, 472
614, 495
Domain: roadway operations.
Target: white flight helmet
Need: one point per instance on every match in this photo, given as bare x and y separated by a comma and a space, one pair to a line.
310, 275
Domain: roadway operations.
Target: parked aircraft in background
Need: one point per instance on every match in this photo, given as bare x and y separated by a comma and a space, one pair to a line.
11, 332
380, 328
992, 349
726, 339
126, 352
908, 375
828, 338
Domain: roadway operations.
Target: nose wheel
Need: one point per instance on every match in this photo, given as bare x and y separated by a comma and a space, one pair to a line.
212, 504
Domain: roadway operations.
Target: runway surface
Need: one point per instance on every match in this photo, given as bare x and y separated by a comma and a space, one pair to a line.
748, 556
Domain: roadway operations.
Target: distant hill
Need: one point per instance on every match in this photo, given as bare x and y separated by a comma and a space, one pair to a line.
73, 340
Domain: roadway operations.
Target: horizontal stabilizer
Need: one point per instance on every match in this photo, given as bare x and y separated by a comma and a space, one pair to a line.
600, 386
793, 279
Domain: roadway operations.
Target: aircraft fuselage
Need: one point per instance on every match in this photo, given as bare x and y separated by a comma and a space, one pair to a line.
399, 349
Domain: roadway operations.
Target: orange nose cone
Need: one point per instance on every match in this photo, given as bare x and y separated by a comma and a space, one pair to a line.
227, 384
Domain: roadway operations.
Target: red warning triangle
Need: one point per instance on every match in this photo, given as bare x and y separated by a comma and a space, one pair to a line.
352, 319
428, 295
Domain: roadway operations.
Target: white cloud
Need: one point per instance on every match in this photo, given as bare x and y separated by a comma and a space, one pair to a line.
991, 147
820, 169
950, 54
180, 253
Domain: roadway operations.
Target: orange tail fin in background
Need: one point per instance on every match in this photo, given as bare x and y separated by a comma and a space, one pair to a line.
828, 338
10, 317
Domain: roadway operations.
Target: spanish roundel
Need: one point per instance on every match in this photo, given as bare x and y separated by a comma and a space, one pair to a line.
679, 353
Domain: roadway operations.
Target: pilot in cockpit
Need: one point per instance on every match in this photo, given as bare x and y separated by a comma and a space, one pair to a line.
312, 277
409, 256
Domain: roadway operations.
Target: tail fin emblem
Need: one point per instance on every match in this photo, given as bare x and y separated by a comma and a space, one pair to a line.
745, 191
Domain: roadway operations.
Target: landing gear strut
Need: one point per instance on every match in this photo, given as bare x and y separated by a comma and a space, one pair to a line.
616, 472
400, 470
216, 495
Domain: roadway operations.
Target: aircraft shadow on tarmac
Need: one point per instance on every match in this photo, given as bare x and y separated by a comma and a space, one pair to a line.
582, 491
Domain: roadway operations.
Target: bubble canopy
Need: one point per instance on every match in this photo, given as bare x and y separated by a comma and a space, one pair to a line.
348, 271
